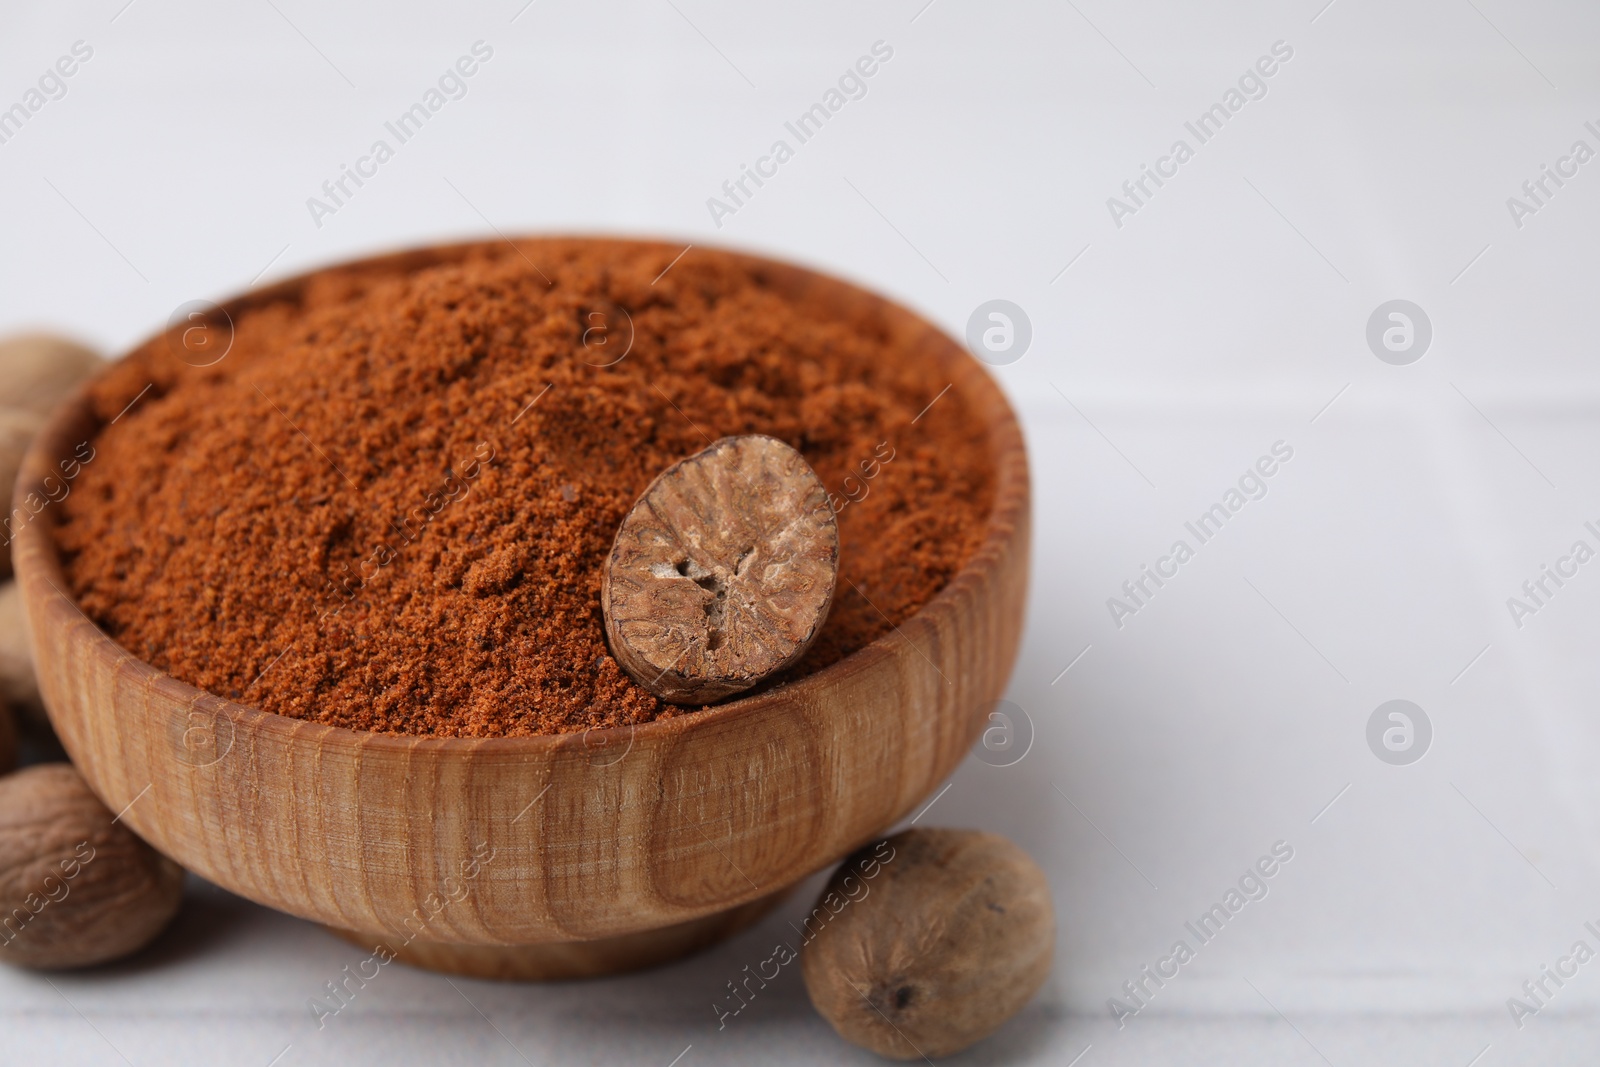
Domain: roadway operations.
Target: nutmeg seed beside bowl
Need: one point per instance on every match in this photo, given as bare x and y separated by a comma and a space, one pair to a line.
37, 372
949, 936
76, 887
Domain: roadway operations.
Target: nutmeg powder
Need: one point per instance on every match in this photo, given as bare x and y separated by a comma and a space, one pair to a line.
388, 507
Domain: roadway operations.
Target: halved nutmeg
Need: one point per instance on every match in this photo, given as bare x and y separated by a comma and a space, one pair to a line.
723, 572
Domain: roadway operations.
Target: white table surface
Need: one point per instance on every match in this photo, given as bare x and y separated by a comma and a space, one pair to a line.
1227, 314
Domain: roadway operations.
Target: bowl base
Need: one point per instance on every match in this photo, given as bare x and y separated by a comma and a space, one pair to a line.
563, 960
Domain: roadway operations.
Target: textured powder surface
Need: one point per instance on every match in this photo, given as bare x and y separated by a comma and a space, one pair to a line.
390, 505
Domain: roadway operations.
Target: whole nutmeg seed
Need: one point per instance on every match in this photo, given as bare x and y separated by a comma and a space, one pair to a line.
76, 888
928, 941
38, 370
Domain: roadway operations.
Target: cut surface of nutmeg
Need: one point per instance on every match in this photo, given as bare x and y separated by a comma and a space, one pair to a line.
722, 574
76, 887
928, 941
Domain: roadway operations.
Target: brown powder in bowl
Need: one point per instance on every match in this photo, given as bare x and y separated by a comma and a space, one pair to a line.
389, 506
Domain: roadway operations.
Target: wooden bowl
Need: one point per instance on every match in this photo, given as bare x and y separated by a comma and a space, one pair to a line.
552, 856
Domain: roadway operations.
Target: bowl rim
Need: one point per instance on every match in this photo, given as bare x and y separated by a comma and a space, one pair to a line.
1008, 509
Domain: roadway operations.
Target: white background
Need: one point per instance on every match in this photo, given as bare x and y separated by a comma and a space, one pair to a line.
1227, 314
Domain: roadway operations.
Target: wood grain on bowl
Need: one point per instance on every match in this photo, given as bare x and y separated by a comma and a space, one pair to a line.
646, 833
